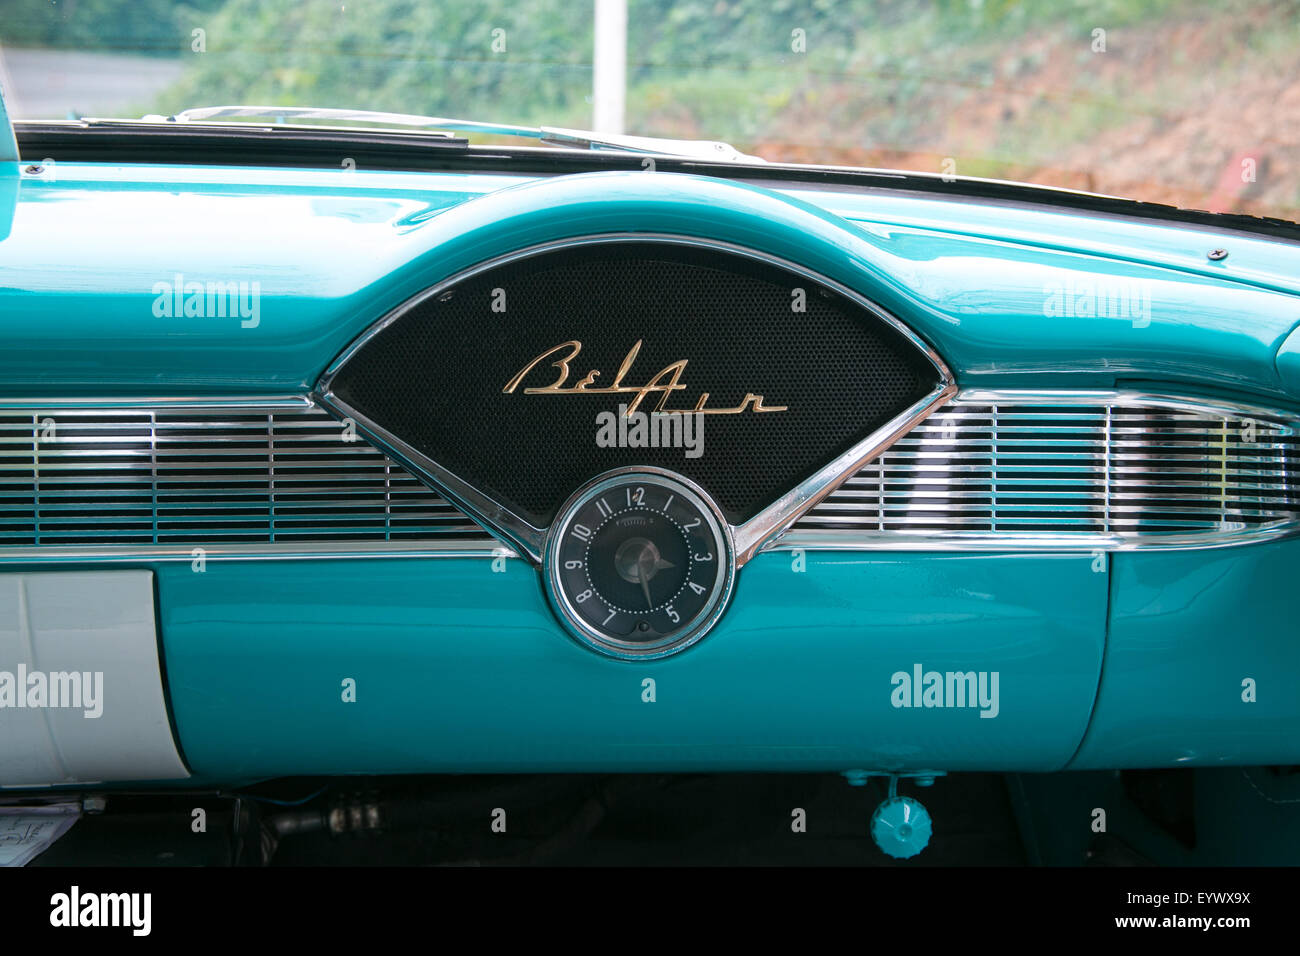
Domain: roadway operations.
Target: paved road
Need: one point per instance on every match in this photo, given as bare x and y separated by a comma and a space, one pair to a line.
49, 84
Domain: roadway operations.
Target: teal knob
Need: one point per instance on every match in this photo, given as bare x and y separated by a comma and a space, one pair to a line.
901, 827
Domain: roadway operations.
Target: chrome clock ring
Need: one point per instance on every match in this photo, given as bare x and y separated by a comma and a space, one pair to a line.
639, 564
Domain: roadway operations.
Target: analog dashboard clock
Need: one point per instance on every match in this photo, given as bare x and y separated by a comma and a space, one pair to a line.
639, 564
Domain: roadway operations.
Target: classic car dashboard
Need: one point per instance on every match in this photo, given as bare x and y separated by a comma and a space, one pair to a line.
483, 469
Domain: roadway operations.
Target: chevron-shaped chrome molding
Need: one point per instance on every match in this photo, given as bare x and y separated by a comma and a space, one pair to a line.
751, 536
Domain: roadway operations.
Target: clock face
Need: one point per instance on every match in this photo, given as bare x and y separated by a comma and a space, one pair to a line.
639, 564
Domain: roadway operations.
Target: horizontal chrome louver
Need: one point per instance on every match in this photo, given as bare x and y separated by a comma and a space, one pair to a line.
1125, 471
988, 471
206, 474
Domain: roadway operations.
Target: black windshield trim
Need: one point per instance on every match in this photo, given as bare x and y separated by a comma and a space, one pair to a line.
290, 146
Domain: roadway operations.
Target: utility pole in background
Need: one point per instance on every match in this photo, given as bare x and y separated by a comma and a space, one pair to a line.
609, 61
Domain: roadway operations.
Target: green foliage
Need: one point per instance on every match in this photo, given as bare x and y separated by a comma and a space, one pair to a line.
719, 68
509, 60
730, 58
155, 27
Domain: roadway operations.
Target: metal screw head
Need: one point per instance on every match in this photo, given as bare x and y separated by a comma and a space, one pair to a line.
1214, 255
34, 170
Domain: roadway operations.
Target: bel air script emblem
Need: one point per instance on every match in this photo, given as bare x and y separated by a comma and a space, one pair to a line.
663, 383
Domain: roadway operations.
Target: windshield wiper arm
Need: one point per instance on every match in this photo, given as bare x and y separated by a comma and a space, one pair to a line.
553, 135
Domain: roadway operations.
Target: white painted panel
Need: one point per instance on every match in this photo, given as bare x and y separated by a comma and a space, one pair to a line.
111, 722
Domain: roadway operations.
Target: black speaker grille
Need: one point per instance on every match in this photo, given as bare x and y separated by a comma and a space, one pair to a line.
435, 376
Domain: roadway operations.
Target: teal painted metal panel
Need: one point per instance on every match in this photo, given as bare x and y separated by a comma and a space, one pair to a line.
458, 668
1288, 362
332, 251
1187, 630
1255, 260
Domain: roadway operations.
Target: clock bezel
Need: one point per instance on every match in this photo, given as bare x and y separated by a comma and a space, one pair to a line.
691, 631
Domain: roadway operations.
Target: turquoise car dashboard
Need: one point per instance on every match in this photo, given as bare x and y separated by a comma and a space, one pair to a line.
510, 465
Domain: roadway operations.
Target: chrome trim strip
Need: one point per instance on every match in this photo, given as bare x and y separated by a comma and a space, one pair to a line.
253, 403
749, 537
1018, 541
61, 554
499, 520
1128, 398
773, 520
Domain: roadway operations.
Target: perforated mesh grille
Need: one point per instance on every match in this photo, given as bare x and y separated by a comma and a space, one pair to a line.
434, 378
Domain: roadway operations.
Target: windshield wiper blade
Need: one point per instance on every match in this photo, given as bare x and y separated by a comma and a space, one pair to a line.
556, 136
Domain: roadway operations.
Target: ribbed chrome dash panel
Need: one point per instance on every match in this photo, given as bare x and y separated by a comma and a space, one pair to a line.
988, 471
1106, 470
192, 474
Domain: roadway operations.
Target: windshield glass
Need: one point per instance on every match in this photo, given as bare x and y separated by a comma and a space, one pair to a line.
1176, 101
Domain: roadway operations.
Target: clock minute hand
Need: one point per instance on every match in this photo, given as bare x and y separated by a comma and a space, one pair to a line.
645, 567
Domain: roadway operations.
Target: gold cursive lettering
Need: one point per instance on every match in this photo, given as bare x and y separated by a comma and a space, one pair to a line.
574, 347
664, 383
